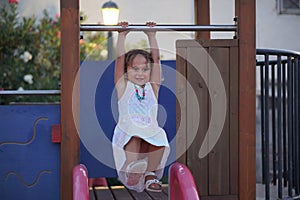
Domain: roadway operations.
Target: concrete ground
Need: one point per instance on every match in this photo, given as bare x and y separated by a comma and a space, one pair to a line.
260, 192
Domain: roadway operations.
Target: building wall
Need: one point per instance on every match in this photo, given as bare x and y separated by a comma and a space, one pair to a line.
273, 30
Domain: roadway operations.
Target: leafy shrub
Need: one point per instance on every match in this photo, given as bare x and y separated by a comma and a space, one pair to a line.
30, 53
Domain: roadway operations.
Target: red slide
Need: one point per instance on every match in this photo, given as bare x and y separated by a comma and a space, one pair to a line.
181, 183
80, 183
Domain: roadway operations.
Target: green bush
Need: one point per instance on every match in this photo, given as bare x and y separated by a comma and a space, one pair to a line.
30, 53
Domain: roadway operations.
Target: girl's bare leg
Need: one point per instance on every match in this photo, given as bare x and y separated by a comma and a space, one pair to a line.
132, 149
154, 154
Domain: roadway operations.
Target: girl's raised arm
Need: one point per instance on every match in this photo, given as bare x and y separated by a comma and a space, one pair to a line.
120, 60
156, 69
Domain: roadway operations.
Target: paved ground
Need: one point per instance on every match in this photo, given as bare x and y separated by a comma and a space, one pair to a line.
260, 192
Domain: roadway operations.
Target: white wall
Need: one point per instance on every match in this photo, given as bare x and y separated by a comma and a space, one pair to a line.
33, 7
222, 13
275, 30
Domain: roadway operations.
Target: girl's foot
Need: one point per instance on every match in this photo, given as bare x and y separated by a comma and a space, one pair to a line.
135, 171
151, 183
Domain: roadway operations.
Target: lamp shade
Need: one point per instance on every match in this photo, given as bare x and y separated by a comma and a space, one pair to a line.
110, 13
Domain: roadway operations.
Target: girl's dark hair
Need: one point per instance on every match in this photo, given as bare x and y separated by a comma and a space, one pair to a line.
130, 55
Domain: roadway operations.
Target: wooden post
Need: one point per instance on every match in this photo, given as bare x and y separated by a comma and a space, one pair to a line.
69, 67
245, 10
202, 17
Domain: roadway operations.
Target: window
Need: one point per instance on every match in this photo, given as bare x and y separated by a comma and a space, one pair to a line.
288, 6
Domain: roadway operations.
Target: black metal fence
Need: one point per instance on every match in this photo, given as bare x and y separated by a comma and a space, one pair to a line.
278, 93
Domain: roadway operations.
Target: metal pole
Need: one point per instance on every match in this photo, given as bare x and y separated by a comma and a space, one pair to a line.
29, 92
279, 121
109, 46
96, 27
284, 123
290, 128
274, 151
262, 116
296, 99
266, 147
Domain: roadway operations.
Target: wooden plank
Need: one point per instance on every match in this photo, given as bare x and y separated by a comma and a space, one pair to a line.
103, 193
219, 156
223, 159
228, 197
233, 118
120, 193
150, 195
157, 195
92, 194
207, 43
181, 105
69, 67
245, 10
202, 17
166, 189
197, 75
218, 43
140, 195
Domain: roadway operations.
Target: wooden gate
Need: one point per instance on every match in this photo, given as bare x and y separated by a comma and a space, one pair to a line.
216, 174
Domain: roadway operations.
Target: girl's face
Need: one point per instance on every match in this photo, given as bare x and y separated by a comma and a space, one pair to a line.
139, 70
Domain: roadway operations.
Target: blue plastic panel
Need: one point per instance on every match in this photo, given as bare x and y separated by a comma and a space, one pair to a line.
29, 161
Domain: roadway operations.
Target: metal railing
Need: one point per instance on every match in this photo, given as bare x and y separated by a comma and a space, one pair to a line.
278, 94
29, 92
29, 97
159, 27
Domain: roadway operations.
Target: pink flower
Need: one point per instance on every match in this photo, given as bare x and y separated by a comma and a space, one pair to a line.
58, 34
13, 1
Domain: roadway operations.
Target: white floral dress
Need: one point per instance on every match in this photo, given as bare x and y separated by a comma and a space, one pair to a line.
138, 118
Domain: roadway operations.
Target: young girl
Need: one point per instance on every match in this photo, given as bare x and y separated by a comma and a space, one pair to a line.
140, 146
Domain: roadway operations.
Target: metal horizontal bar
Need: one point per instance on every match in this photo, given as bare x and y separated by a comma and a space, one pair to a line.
29, 92
97, 27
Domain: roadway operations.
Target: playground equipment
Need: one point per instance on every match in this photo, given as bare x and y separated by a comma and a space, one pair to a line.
173, 192
80, 183
243, 186
181, 183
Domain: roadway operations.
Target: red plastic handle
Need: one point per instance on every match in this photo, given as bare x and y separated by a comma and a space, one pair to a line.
181, 183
